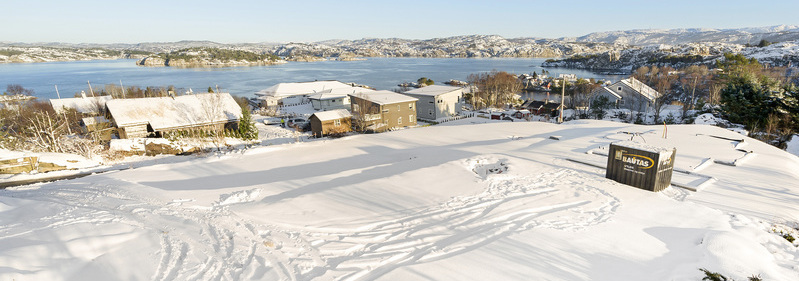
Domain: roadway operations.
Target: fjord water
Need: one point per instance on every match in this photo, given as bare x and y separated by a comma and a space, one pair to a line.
380, 73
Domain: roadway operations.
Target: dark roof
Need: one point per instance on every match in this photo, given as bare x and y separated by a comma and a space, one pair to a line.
535, 105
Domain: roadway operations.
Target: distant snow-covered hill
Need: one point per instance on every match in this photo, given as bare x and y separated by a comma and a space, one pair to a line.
624, 49
742, 36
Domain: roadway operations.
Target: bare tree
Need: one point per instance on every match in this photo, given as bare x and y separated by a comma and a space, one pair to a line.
695, 76
582, 94
212, 106
363, 112
494, 88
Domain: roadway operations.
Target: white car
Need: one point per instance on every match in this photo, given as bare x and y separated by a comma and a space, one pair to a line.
296, 122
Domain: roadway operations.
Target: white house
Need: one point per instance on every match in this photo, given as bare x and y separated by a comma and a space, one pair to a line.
298, 92
628, 93
334, 98
437, 101
88, 105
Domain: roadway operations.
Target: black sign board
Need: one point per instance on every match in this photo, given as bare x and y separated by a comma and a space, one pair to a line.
641, 166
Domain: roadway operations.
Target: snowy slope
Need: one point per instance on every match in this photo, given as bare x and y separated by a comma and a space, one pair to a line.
461, 201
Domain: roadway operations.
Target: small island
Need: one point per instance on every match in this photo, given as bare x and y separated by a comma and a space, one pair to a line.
209, 57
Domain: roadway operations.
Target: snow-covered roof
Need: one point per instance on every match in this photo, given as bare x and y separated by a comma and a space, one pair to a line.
433, 90
384, 97
300, 88
606, 89
94, 120
641, 88
333, 114
337, 93
13, 98
82, 104
181, 111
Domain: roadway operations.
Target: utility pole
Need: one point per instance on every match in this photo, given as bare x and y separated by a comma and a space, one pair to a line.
562, 98
123, 89
90, 88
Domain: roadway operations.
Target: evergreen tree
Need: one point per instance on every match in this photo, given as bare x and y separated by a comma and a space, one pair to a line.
790, 105
748, 101
426, 81
247, 129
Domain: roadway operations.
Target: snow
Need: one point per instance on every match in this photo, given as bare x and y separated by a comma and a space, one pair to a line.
644, 147
73, 164
793, 145
474, 199
333, 114
175, 112
384, 97
93, 105
433, 90
303, 88
708, 119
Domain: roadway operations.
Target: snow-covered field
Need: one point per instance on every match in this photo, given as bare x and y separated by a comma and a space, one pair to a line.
457, 201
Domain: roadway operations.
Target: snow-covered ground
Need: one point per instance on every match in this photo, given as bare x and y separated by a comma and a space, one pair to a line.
457, 201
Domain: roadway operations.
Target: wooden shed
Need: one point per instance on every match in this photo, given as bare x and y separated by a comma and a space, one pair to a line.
331, 122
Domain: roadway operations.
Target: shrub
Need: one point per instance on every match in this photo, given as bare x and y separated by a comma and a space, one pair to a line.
713, 276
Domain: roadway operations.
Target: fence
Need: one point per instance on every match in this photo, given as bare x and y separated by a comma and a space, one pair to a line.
294, 104
459, 117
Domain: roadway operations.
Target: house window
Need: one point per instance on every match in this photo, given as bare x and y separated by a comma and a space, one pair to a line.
337, 122
411, 119
430, 112
355, 107
621, 102
410, 106
398, 107
619, 88
399, 120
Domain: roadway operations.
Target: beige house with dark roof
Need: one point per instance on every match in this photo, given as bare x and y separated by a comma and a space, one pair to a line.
379, 111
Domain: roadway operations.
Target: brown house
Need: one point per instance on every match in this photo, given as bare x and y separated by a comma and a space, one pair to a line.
138, 118
379, 111
331, 122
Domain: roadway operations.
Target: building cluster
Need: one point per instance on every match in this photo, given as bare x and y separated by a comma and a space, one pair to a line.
342, 107
338, 108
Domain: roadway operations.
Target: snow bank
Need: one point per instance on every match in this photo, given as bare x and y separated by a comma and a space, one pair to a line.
793, 146
708, 119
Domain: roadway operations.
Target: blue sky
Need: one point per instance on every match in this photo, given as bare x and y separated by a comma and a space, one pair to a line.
235, 21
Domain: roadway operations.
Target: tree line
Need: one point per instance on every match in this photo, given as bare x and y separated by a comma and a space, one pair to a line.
742, 90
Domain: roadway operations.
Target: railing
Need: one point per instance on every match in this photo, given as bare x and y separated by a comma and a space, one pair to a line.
294, 104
